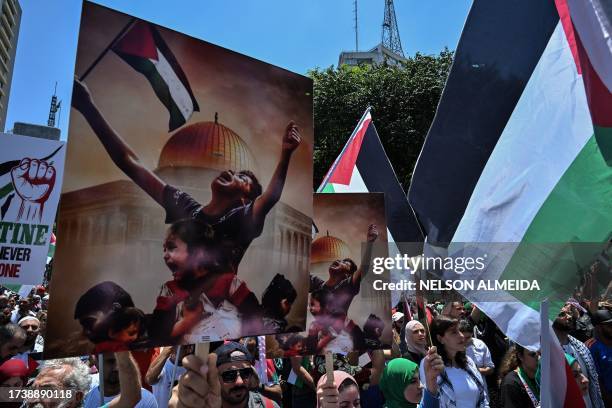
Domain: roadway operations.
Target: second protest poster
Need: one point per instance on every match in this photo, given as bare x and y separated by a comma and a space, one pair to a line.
346, 314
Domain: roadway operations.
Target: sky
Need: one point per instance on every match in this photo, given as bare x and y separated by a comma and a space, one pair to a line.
297, 35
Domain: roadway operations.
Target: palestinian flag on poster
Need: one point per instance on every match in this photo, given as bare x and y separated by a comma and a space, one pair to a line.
363, 166
519, 152
143, 48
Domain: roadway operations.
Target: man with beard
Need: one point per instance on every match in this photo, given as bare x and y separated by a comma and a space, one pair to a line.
121, 381
563, 325
344, 277
31, 325
222, 382
12, 338
29, 352
601, 350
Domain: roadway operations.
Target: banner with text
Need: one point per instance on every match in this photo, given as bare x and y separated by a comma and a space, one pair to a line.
31, 171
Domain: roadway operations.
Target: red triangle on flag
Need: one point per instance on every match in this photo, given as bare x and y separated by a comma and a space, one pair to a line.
344, 169
138, 41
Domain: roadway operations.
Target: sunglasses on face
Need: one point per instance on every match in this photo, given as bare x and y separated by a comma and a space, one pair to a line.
231, 376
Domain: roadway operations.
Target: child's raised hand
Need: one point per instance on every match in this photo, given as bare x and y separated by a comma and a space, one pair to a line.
81, 96
292, 138
372, 232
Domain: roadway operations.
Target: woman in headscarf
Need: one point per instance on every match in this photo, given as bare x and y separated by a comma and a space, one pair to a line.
581, 379
402, 387
416, 343
344, 392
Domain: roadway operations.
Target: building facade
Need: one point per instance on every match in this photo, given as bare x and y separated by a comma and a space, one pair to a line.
10, 19
376, 56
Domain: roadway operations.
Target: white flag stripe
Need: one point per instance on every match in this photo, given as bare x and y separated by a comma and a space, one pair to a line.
178, 92
356, 185
552, 120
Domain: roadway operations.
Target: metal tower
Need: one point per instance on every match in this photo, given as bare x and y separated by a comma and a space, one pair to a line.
356, 26
390, 34
55, 106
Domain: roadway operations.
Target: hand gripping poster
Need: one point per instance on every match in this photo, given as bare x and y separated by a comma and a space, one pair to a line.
31, 171
346, 312
186, 209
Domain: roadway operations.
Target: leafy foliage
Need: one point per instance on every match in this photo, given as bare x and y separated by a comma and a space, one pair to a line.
403, 100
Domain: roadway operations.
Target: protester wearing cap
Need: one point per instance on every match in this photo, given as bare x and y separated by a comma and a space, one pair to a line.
601, 350
13, 373
222, 382
31, 325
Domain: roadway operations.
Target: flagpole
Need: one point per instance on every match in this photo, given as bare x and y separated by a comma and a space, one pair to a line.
111, 45
545, 359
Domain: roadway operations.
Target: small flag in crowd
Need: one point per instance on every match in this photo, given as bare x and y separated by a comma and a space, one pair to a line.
143, 48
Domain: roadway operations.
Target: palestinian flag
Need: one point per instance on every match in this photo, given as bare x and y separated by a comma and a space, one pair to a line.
363, 166
146, 51
519, 153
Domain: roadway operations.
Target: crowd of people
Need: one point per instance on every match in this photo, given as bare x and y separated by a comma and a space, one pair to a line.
453, 356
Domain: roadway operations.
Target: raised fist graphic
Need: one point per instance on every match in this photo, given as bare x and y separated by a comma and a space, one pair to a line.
33, 181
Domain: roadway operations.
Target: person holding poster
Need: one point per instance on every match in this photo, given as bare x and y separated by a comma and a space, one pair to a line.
238, 207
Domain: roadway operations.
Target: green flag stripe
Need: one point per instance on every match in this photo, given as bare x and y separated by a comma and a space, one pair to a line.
578, 210
329, 188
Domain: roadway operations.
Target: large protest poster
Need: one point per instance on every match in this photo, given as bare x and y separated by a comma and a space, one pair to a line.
31, 171
186, 208
346, 312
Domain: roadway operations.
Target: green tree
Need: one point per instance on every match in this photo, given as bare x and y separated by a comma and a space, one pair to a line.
403, 100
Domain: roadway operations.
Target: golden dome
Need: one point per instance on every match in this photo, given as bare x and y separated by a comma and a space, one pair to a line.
207, 145
328, 249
